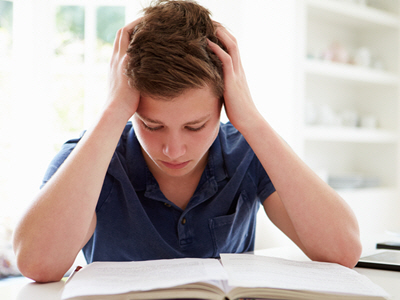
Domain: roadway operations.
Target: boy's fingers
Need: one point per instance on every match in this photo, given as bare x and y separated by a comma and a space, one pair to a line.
123, 37
230, 44
127, 34
222, 55
116, 41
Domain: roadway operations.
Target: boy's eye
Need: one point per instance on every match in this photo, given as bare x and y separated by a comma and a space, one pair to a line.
190, 128
151, 128
196, 128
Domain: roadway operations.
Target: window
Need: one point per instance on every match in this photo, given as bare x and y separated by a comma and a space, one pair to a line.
54, 58
6, 24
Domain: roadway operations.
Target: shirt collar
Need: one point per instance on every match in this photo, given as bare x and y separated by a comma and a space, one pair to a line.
136, 165
216, 164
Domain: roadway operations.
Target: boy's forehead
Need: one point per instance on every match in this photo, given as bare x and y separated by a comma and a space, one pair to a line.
188, 97
192, 106
188, 122
205, 91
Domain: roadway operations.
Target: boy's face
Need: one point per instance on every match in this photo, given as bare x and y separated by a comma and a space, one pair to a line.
176, 134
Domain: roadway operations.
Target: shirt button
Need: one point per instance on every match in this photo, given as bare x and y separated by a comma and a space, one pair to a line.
183, 221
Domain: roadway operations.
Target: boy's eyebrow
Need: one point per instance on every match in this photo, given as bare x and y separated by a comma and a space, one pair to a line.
149, 120
200, 120
197, 121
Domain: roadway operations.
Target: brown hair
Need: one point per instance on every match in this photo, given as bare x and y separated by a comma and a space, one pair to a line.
169, 52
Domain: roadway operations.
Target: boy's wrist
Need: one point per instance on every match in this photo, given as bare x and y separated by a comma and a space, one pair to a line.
250, 124
118, 113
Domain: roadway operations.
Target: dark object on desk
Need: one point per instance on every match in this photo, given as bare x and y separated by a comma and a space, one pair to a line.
384, 260
388, 245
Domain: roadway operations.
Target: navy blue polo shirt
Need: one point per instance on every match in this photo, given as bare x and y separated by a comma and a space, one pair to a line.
135, 221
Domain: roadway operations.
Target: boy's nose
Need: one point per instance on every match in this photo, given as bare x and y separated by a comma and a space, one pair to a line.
174, 148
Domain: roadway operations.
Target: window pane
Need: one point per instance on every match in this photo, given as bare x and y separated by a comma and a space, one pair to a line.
99, 92
68, 107
109, 20
69, 80
6, 110
70, 22
6, 151
6, 18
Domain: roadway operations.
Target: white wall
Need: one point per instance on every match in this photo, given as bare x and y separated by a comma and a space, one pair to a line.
266, 33
268, 45
29, 117
269, 40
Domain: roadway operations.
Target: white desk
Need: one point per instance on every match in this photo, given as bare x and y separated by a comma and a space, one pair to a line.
388, 280
25, 289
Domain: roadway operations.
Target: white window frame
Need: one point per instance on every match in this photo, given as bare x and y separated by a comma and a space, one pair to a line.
32, 73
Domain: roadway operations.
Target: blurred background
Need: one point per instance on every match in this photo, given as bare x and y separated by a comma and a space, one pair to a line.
324, 73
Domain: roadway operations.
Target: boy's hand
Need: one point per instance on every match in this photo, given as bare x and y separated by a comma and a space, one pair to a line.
122, 96
239, 105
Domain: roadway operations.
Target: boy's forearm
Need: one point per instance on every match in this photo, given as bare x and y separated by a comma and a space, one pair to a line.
322, 219
56, 225
62, 217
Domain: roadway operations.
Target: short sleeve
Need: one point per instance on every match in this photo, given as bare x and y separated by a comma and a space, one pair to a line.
265, 187
57, 161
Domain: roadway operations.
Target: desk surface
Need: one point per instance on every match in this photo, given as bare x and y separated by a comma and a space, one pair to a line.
22, 288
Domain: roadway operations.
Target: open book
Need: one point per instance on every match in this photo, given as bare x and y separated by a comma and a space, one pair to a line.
235, 276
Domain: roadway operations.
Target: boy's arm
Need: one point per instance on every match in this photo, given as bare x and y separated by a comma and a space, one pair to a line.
62, 217
304, 207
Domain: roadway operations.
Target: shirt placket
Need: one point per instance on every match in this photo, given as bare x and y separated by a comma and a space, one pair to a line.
184, 228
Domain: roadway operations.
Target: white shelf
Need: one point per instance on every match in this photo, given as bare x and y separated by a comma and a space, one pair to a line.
366, 193
337, 93
351, 14
350, 72
345, 87
349, 134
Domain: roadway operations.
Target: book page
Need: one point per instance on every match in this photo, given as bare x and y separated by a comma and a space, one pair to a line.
247, 270
103, 278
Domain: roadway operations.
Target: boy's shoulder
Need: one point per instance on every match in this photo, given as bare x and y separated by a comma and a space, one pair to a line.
231, 139
234, 148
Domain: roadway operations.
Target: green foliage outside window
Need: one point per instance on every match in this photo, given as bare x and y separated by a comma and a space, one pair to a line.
6, 21
109, 20
70, 50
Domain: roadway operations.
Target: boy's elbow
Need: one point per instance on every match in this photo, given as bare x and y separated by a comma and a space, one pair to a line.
39, 273
38, 262
38, 269
353, 255
350, 254
346, 254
